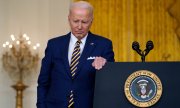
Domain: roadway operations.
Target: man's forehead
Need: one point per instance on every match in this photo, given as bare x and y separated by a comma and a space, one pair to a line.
79, 11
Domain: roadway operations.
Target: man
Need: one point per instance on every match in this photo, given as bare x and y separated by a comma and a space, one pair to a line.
68, 69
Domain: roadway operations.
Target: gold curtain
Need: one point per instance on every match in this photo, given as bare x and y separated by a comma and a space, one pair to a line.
125, 21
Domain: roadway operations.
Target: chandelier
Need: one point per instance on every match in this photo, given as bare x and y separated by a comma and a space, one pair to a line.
20, 59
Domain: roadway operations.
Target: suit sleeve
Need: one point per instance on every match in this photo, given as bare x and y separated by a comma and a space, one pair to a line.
108, 53
44, 77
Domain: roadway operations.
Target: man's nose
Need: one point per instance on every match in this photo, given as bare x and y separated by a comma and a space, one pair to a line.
79, 25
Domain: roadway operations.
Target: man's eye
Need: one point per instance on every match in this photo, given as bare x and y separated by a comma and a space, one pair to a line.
75, 21
85, 22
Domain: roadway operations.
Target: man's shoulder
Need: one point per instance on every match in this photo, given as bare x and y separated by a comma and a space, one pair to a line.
58, 39
100, 38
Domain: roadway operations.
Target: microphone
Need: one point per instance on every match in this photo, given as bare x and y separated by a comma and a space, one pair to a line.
149, 47
135, 46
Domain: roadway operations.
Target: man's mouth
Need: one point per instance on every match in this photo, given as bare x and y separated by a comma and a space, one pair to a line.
79, 32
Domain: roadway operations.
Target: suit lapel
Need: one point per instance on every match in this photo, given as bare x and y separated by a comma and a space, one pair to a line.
65, 57
88, 48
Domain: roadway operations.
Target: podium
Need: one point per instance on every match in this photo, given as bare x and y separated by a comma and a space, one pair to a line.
110, 81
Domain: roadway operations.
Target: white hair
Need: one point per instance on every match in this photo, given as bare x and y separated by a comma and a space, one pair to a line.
83, 5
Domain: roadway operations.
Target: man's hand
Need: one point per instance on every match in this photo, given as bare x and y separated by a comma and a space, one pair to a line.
99, 62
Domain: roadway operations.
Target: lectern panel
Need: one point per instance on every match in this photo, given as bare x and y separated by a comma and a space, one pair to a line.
109, 85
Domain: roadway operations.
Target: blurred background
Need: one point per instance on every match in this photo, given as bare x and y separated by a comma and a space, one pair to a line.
122, 21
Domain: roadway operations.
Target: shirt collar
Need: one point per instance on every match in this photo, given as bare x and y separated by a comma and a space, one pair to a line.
74, 39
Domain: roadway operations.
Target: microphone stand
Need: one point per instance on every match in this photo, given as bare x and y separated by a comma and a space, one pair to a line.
143, 56
136, 47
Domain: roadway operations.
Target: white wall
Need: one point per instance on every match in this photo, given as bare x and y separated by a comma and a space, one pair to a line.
40, 20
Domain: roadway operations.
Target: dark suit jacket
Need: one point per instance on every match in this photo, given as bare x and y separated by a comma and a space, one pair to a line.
55, 82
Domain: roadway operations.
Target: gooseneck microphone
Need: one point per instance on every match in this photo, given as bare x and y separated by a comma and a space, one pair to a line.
149, 47
135, 46
143, 54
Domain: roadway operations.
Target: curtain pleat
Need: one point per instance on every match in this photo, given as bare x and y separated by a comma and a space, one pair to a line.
125, 21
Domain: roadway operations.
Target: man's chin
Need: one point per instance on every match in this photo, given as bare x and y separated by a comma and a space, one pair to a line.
80, 36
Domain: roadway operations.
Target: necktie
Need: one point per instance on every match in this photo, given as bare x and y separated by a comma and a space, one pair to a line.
75, 59
73, 68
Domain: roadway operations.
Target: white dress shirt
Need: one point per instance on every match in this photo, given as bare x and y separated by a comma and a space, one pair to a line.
72, 44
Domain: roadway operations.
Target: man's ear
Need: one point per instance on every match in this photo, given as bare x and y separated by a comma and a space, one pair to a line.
92, 19
68, 17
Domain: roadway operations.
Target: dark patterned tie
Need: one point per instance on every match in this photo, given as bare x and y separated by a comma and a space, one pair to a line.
73, 68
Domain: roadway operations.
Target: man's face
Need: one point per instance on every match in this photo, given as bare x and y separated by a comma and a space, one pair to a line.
80, 21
